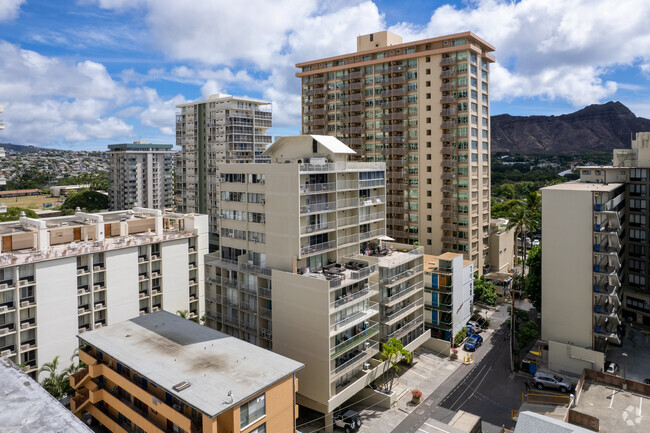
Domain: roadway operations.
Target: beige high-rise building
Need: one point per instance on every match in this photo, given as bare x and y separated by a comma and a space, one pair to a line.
219, 129
423, 108
304, 268
594, 260
141, 175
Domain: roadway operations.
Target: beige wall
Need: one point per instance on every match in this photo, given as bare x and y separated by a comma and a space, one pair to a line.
567, 294
301, 330
569, 358
379, 39
502, 250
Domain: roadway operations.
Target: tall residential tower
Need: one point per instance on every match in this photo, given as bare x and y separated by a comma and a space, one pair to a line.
219, 129
422, 108
141, 175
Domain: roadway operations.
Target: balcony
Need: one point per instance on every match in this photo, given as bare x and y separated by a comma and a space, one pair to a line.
370, 348
317, 187
365, 334
392, 317
608, 333
349, 298
405, 329
371, 183
445, 61
607, 312
393, 280
352, 319
371, 217
264, 293
316, 248
397, 296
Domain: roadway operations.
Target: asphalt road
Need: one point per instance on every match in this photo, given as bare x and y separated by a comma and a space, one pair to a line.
485, 388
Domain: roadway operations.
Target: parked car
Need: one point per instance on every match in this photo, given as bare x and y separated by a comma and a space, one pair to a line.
350, 421
548, 380
473, 342
612, 368
473, 327
536, 242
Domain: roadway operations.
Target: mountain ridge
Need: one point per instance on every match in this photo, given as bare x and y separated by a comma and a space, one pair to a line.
597, 127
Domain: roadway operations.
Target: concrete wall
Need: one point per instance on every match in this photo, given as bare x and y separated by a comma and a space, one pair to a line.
573, 359
567, 266
122, 284
302, 333
56, 311
502, 250
440, 347
175, 276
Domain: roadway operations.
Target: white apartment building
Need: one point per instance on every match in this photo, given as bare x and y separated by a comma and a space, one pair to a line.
448, 294
141, 175
304, 269
66, 275
423, 108
219, 129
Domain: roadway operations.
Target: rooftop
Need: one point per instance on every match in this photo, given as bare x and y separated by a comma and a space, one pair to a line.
27, 407
139, 145
531, 422
223, 98
168, 350
583, 186
617, 410
331, 144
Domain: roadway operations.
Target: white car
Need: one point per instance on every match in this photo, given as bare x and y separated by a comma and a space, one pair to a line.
536, 242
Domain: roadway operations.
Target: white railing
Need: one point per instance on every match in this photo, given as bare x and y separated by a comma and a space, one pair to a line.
311, 249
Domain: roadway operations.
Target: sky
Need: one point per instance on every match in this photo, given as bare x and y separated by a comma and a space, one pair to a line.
81, 74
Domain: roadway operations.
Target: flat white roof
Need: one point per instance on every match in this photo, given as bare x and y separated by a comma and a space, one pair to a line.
584, 186
168, 350
26, 407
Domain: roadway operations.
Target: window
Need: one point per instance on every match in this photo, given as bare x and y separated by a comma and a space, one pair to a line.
260, 429
252, 411
233, 178
256, 178
474, 94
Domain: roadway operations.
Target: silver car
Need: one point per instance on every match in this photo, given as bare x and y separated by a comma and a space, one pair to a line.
547, 380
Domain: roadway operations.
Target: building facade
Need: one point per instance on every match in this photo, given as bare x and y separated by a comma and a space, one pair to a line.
220, 129
303, 269
141, 176
614, 288
162, 373
448, 294
67, 275
422, 108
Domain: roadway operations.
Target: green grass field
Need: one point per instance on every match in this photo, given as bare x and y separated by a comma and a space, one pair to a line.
34, 202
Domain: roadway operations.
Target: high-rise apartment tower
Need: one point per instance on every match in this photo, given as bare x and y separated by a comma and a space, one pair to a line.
221, 128
141, 175
423, 108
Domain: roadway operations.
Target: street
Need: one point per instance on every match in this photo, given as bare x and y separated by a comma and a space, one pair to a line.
486, 388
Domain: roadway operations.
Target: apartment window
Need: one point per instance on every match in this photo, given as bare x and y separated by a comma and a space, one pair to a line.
428, 181
485, 145
256, 178
484, 98
428, 84
637, 265
485, 157
232, 196
256, 198
428, 193
428, 71
428, 97
428, 241
260, 429
428, 217
484, 133
257, 237
428, 132
637, 204
474, 120
484, 87
474, 94
474, 82
233, 177
252, 411
429, 207
474, 132
637, 304
637, 280
428, 108
484, 110
637, 219
638, 173
428, 120
428, 144
637, 234
256, 217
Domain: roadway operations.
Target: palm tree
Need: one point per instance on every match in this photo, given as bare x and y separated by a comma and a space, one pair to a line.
186, 315
393, 351
57, 384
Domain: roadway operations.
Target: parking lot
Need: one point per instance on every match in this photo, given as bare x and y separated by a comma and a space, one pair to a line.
637, 346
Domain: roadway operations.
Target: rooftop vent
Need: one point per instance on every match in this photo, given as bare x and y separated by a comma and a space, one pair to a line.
181, 386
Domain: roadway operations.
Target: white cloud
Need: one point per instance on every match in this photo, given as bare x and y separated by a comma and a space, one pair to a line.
49, 100
553, 49
9, 9
252, 45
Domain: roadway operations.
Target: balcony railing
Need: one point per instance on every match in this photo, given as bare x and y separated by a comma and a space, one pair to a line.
354, 340
403, 330
403, 293
318, 207
361, 357
315, 248
394, 279
352, 297
312, 228
408, 308
317, 187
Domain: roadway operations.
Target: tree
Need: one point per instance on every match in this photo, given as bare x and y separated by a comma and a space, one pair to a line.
533, 284
393, 351
13, 214
186, 315
484, 291
89, 201
57, 384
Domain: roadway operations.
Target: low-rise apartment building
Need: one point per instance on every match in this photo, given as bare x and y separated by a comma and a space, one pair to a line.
161, 373
448, 294
305, 270
67, 275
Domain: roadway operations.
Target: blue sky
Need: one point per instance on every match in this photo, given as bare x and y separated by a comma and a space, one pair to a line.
82, 74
